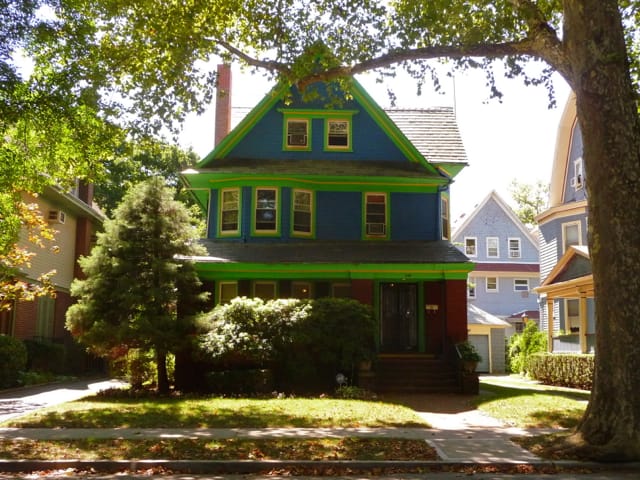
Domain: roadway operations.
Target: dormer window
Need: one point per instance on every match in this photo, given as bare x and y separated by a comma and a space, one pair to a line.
338, 134
297, 134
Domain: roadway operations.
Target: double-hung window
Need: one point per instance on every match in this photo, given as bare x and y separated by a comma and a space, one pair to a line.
227, 291
493, 247
230, 211
376, 214
491, 284
338, 134
297, 134
444, 218
514, 248
302, 212
471, 246
521, 284
266, 210
570, 235
471, 288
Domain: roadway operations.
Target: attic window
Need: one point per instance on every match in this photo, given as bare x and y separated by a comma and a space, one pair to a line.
297, 135
338, 134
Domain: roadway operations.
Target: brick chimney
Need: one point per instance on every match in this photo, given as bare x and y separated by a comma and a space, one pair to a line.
223, 102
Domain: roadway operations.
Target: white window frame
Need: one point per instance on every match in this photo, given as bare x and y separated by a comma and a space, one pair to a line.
289, 144
497, 247
347, 134
491, 290
577, 182
515, 253
377, 229
565, 227
222, 210
475, 246
221, 286
445, 224
524, 282
276, 209
296, 208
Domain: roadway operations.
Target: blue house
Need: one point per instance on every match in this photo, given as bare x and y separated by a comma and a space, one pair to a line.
566, 291
328, 196
500, 289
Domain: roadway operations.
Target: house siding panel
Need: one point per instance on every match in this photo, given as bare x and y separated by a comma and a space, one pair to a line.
339, 215
414, 216
505, 301
268, 133
571, 194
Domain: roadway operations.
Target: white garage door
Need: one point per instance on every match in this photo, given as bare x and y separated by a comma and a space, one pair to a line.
481, 342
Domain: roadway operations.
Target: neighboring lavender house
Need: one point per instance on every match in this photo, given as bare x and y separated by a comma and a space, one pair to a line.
566, 288
507, 270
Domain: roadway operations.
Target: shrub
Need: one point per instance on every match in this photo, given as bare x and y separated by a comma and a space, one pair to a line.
305, 342
566, 370
45, 356
522, 345
138, 367
13, 359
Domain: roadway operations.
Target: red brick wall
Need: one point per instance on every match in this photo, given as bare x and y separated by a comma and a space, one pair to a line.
26, 317
456, 306
63, 302
434, 319
362, 290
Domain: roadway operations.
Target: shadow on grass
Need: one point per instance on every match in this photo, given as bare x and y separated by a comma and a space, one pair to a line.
547, 408
98, 412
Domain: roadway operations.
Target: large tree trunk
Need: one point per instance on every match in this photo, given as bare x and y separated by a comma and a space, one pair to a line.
607, 111
163, 377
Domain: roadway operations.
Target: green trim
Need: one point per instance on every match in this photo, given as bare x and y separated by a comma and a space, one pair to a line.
387, 217
240, 131
234, 234
337, 271
312, 233
315, 113
331, 148
387, 125
285, 133
324, 182
265, 233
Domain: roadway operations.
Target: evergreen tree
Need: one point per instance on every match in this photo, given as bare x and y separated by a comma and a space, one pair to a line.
138, 293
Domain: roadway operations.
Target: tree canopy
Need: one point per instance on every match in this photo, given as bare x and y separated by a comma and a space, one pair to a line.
137, 293
148, 63
531, 200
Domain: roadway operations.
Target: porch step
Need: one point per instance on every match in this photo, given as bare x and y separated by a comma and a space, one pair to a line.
414, 374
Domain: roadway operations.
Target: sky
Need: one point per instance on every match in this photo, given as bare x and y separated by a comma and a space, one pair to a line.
504, 141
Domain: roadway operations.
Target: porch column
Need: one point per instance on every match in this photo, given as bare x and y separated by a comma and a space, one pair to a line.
549, 323
583, 323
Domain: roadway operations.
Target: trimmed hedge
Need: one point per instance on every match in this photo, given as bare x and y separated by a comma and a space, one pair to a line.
565, 370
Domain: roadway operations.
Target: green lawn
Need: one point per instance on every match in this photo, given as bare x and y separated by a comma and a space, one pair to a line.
102, 412
531, 405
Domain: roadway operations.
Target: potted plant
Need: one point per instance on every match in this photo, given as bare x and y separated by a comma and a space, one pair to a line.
469, 356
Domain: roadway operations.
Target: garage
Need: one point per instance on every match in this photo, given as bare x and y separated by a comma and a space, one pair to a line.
481, 342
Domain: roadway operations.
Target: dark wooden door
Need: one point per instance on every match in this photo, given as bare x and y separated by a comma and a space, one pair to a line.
399, 319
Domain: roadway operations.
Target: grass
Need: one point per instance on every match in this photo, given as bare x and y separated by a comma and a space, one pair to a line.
532, 405
225, 449
103, 412
525, 405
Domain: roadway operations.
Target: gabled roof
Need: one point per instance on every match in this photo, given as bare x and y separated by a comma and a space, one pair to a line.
571, 276
493, 195
452, 163
434, 132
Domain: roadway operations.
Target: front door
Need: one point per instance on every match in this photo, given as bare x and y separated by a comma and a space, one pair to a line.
399, 320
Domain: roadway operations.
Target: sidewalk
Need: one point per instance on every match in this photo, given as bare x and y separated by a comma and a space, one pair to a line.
461, 436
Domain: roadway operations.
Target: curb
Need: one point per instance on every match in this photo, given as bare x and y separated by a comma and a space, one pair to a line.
263, 466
